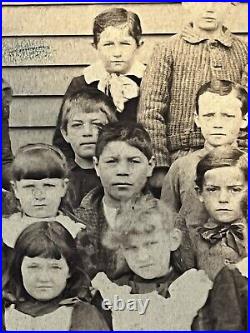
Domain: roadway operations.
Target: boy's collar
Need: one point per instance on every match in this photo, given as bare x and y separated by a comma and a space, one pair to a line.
192, 36
208, 147
97, 72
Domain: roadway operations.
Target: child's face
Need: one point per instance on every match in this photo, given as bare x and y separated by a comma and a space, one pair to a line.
116, 49
148, 254
208, 16
43, 278
220, 118
223, 191
82, 132
40, 198
123, 170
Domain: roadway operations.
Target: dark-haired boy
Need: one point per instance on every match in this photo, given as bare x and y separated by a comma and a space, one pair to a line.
124, 162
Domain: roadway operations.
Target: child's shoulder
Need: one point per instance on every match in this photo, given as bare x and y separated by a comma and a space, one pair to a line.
189, 160
12, 226
86, 317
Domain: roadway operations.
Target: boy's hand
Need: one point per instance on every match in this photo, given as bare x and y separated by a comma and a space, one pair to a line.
158, 177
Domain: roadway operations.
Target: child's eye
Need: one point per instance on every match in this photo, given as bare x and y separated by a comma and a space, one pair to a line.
125, 43
49, 185
28, 186
236, 189
33, 266
134, 161
76, 125
108, 44
208, 115
151, 243
98, 125
56, 267
111, 161
211, 189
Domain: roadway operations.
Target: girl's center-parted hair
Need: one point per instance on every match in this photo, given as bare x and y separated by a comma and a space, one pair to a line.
224, 156
88, 101
46, 240
117, 17
39, 161
133, 134
141, 215
223, 88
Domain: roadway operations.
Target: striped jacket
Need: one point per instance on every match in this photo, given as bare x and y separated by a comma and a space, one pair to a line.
178, 68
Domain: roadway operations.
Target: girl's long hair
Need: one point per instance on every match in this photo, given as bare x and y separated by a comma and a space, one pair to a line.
46, 240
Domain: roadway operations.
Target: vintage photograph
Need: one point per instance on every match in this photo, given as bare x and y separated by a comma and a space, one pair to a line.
124, 166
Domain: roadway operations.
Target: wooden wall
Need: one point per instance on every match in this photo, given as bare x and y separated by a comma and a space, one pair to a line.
45, 45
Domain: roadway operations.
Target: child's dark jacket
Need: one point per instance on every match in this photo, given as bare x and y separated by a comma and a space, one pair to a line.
81, 182
226, 306
96, 257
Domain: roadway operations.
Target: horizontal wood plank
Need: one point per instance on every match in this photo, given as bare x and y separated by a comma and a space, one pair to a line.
20, 137
30, 81
78, 19
34, 111
50, 51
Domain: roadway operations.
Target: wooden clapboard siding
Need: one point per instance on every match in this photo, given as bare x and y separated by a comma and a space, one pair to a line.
51, 51
45, 45
23, 136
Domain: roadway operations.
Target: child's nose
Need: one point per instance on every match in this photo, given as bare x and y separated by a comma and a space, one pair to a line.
87, 130
39, 193
223, 196
122, 168
143, 255
117, 51
43, 275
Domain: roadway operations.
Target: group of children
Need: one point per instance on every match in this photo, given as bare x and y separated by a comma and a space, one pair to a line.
88, 223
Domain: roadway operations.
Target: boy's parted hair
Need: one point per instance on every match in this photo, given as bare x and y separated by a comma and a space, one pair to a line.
137, 217
116, 17
38, 161
224, 156
46, 240
88, 100
222, 88
134, 134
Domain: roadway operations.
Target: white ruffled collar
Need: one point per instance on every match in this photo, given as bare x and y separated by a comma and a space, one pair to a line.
59, 320
16, 223
97, 72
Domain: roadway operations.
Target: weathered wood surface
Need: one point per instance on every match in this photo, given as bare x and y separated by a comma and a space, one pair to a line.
51, 51
78, 19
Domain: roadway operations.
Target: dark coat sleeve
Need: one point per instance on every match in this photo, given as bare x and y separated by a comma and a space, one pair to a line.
226, 306
86, 317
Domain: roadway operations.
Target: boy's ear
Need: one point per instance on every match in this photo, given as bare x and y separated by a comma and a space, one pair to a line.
14, 188
175, 239
151, 166
196, 119
96, 165
64, 134
244, 122
141, 42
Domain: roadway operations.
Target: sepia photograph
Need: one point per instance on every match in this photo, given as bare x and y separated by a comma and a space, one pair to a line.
124, 166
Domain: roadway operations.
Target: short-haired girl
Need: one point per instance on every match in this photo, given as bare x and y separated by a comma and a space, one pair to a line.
39, 181
45, 280
117, 37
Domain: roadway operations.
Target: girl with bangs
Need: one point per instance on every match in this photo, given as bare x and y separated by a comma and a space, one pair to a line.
39, 181
45, 280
